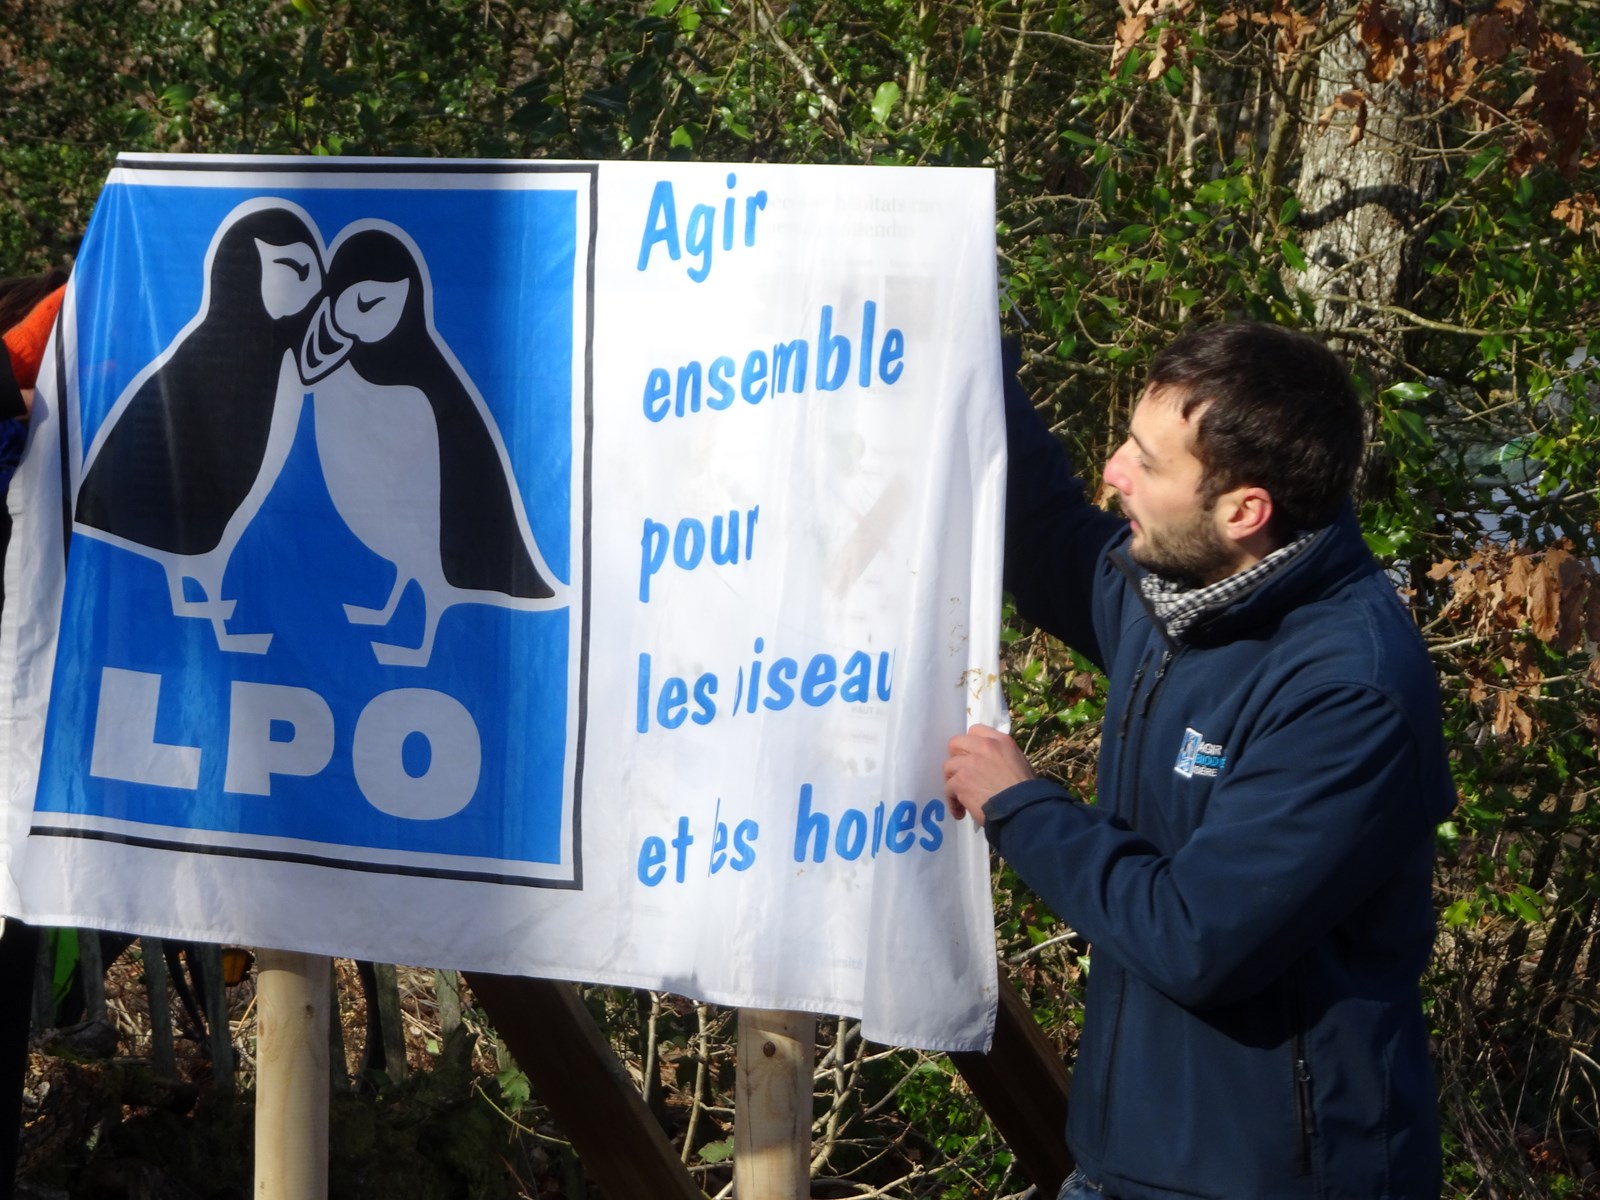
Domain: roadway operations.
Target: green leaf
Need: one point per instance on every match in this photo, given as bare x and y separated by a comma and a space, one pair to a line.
1292, 255
1519, 904
717, 1152
514, 1088
884, 100
682, 138
1410, 391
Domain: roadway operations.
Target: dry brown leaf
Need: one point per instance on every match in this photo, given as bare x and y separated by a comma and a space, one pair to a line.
1130, 32
1489, 37
1359, 129
1354, 100
1576, 584
1383, 38
1511, 717
1166, 53
1440, 570
1544, 602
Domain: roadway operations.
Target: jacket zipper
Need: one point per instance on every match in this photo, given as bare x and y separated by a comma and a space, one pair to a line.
1302, 1101
1167, 655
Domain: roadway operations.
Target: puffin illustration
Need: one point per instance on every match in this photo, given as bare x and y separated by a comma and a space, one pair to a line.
194, 444
410, 453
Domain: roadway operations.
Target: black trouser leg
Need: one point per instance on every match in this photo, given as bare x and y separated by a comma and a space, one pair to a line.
19, 954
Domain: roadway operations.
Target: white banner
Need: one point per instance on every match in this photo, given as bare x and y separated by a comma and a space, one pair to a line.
557, 569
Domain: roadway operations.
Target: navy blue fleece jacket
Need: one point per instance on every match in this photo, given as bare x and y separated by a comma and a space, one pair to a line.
1255, 877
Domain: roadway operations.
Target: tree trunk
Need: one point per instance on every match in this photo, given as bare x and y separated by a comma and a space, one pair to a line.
1365, 180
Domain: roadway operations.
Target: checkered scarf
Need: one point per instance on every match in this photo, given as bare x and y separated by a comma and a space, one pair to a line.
1180, 606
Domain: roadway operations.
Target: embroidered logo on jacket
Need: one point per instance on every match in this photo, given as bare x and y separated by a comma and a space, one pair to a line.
1196, 756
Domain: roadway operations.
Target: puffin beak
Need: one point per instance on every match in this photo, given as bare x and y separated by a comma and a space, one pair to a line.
324, 347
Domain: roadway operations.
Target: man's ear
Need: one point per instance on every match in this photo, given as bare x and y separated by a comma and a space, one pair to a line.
1244, 515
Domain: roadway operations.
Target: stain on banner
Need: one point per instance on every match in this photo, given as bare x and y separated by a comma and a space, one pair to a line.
330, 422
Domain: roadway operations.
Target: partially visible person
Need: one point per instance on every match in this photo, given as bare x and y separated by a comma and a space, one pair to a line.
28, 308
1255, 878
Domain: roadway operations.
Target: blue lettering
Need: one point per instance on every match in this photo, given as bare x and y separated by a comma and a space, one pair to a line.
681, 844
810, 827
652, 854
702, 220
932, 822
789, 366
779, 677
869, 321
688, 399
641, 719
657, 387
689, 544
705, 707
752, 205
672, 705
752, 383
857, 685
890, 363
901, 821
832, 351
660, 224
652, 554
717, 377
817, 687
744, 850
851, 838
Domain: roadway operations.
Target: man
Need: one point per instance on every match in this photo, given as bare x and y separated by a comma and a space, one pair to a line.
1256, 874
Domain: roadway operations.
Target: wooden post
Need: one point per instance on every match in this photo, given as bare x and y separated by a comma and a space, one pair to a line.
92, 975
447, 995
214, 999
386, 1043
772, 1105
292, 996
162, 1056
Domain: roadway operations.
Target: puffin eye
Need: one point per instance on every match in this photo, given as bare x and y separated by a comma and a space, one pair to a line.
290, 277
368, 311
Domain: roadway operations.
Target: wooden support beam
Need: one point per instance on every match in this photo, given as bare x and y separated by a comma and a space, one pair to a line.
219, 1034
568, 1061
1023, 1086
162, 1055
391, 1024
772, 1105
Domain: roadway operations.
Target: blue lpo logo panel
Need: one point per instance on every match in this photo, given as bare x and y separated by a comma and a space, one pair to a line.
322, 580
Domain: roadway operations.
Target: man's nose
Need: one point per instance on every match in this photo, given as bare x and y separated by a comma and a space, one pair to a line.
1116, 474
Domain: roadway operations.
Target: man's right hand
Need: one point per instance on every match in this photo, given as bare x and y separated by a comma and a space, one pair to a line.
983, 763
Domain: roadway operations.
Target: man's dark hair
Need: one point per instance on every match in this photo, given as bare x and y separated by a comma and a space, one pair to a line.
1277, 411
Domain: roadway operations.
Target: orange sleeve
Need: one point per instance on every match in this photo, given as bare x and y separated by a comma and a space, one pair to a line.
26, 339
